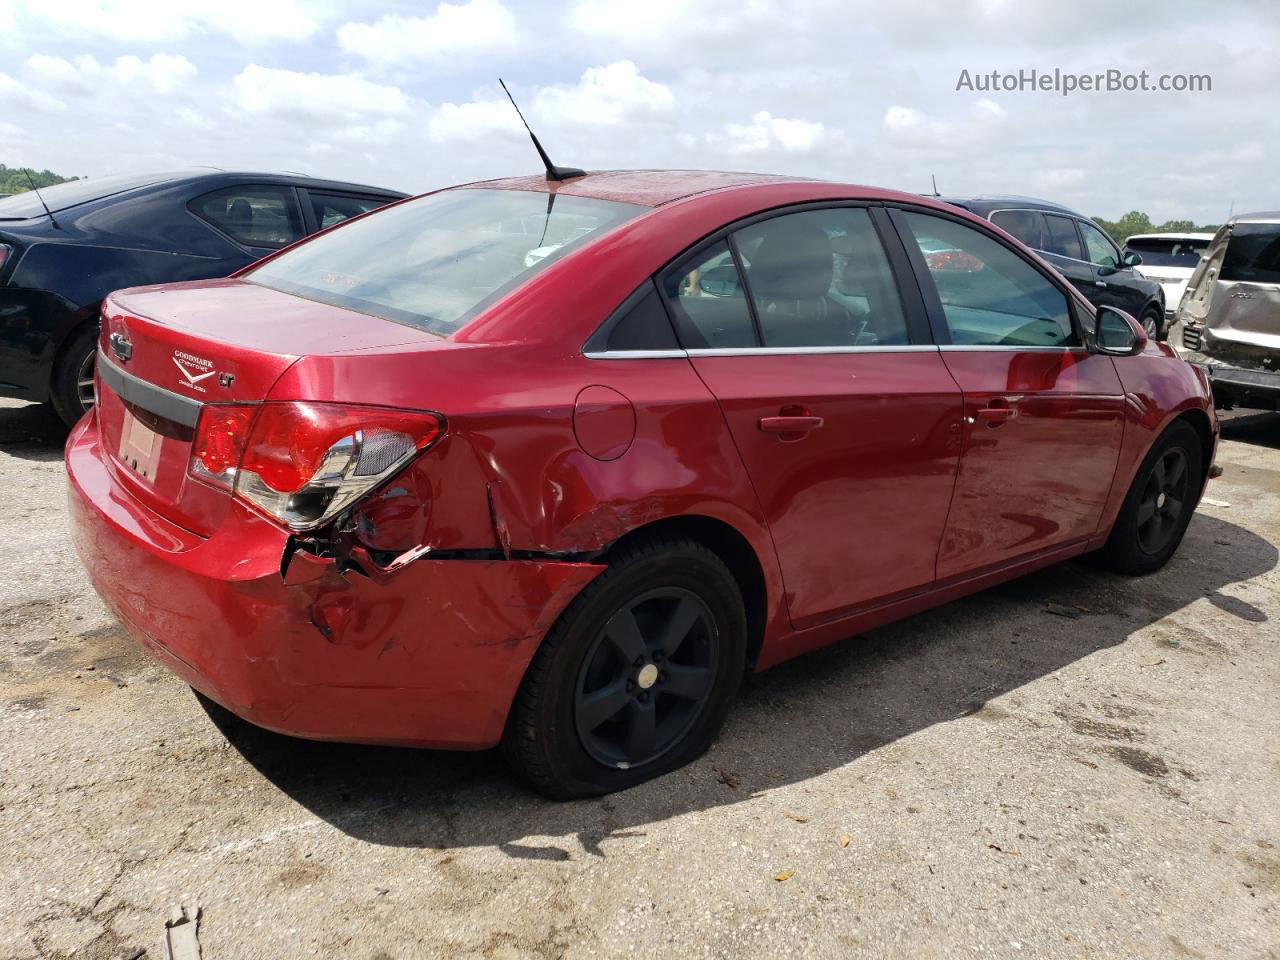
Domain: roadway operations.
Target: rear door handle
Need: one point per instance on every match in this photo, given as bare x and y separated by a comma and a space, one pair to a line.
790, 424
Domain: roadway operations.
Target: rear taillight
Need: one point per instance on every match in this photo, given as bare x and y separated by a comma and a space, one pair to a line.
304, 463
5, 252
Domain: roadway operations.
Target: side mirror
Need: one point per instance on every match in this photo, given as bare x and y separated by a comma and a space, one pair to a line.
1118, 334
721, 281
1132, 259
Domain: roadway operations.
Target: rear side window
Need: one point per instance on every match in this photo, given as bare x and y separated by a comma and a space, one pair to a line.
707, 301
643, 325
1061, 237
331, 208
990, 296
261, 216
1026, 225
1253, 253
820, 278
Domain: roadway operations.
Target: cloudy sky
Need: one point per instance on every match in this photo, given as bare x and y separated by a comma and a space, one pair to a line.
405, 95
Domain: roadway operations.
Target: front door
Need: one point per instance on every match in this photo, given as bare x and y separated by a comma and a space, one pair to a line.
845, 416
1042, 417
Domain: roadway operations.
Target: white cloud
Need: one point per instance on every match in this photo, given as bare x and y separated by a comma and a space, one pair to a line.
19, 96
161, 73
766, 132
909, 127
146, 21
476, 26
469, 122
604, 96
315, 96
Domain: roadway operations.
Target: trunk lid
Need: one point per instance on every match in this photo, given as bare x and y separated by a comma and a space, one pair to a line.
172, 349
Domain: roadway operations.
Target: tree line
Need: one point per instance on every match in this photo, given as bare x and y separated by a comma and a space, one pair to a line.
1135, 221
14, 179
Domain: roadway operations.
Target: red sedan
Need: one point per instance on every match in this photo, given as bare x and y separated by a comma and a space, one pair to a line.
551, 464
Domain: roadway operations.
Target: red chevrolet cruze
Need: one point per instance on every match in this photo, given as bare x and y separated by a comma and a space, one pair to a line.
551, 463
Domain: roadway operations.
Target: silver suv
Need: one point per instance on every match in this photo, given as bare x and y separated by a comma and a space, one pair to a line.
1229, 319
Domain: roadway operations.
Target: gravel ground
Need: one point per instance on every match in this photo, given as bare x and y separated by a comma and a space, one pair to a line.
988, 779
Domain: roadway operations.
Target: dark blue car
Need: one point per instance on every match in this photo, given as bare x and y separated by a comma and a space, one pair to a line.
107, 233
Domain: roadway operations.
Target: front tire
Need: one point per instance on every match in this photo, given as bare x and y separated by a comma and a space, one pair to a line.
1151, 323
1159, 504
72, 387
636, 677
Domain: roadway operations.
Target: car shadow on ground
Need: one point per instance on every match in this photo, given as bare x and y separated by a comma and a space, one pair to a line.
31, 431
801, 719
1257, 427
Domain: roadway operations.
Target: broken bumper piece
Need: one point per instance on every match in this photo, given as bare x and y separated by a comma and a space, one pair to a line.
431, 655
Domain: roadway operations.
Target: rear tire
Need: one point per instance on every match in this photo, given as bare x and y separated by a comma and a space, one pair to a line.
1159, 504
635, 678
72, 388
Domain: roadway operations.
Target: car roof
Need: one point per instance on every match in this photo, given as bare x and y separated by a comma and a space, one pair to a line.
653, 188
1171, 236
1010, 202
1272, 216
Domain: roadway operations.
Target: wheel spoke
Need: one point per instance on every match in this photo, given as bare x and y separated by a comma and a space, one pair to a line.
603, 704
1172, 508
1158, 474
641, 729
624, 633
677, 627
688, 683
1146, 510
1177, 467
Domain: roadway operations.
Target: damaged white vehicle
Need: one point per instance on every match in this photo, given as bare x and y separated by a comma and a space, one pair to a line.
1229, 318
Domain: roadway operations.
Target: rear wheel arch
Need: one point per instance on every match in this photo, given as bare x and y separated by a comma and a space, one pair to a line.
733, 549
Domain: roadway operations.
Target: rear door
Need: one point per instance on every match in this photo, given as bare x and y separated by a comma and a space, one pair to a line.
1042, 417
848, 422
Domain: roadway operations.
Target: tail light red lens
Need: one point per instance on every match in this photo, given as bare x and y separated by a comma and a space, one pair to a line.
303, 463
5, 250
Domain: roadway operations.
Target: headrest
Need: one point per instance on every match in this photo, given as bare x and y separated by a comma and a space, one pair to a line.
793, 262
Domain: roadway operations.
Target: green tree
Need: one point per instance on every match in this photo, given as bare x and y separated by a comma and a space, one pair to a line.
14, 179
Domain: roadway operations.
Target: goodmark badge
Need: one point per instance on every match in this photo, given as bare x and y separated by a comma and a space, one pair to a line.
194, 369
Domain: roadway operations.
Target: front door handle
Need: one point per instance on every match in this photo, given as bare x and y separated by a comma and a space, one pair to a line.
790, 424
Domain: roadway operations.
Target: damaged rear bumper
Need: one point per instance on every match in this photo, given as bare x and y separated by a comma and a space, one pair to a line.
430, 656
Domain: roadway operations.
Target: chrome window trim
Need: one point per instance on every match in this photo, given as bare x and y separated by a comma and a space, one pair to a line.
634, 354
695, 352
1006, 348
148, 396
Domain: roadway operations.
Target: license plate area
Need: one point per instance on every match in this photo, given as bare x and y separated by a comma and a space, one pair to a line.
139, 447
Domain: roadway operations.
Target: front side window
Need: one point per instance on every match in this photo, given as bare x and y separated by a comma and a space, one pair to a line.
996, 298
1101, 251
1061, 237
820, 278
707, 301
256, 216
1253, 253
436, 261
1026, 225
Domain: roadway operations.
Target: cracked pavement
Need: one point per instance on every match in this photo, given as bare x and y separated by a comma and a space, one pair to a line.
1071, 765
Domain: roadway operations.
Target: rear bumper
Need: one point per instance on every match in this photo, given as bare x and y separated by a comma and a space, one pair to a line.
1238, 384
431, 657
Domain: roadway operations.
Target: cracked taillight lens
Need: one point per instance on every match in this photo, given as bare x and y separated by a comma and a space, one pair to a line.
303, 463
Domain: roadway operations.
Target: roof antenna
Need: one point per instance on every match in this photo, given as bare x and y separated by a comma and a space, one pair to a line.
41, 199
553, 172
935, 185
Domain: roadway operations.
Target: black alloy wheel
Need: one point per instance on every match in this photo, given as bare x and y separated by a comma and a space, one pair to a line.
1163, 501
646, 678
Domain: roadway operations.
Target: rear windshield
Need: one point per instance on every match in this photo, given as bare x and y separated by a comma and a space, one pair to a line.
1253, 253
1169, 253
437, 261
23, 206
